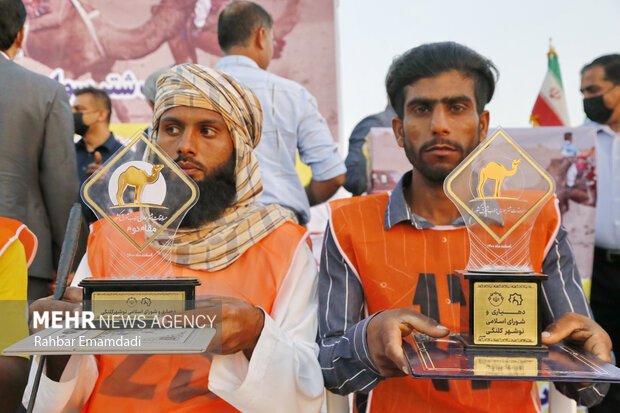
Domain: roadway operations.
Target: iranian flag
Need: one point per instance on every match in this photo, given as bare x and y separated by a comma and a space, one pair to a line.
550, 108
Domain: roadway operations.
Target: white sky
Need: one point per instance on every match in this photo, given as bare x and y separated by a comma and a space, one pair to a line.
513, 34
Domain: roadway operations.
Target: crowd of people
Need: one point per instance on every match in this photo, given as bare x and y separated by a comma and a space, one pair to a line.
290, 331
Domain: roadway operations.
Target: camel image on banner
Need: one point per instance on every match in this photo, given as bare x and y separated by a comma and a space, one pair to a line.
498, 173
138, 179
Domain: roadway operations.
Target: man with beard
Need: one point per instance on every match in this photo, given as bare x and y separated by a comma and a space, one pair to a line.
252, 256
600, 85
388, 261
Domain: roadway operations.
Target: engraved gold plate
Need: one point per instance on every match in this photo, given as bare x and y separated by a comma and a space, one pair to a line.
505, 366
137, 303
505, 313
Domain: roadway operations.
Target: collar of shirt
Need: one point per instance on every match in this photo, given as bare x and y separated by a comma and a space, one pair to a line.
5, 55
397, 209
389, 110
236, 59
600, 128
110, 145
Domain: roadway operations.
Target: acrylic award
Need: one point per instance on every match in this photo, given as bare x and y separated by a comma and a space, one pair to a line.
499, 191
140, 196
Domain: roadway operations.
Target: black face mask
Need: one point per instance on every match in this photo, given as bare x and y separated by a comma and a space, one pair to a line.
596, 110
79, 126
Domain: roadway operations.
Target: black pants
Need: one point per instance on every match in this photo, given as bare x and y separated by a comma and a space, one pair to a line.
605, 300
38, 288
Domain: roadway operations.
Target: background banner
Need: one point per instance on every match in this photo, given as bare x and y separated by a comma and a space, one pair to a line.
115, 44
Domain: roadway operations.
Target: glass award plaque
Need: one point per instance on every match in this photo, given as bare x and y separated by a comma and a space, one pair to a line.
499, 191
140, 196
447, 358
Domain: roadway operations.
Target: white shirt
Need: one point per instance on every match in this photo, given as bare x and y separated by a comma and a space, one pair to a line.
291, 123
607, 229
283, 374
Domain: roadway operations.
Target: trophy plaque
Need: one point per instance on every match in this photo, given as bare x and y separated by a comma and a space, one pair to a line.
140, 197
447, 358
133, 301
499, 191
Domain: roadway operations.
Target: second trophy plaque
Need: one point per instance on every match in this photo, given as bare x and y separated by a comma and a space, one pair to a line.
141, 204
500, 191
509, 213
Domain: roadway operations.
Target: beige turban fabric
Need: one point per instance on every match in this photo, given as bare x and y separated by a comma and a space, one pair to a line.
215, 245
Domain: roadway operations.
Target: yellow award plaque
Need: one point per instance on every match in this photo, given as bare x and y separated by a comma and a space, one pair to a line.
506, 366
506, 314
148, 303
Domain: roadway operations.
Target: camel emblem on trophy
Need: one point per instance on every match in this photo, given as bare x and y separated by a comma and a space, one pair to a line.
498, 173
138, 179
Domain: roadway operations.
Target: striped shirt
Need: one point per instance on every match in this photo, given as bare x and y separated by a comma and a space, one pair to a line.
345, 361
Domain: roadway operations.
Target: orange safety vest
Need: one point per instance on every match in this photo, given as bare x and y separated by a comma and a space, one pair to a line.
407, 267
11, 230
179, 383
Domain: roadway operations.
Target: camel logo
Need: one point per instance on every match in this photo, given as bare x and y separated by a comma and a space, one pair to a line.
141, 193
148, 184
497, 188
497, 172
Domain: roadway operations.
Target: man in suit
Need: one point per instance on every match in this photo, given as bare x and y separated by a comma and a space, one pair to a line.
38, 180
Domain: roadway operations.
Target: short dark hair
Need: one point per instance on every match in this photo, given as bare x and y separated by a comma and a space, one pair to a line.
238, 21
430, 60
101, 97
611, 65
568, 135
150, 84
12, 19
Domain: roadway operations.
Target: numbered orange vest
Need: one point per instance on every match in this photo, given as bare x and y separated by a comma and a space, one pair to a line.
179, 383
12, 230
407, 267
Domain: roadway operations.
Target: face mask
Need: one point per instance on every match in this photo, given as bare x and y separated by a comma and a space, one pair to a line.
596, 110
78, 124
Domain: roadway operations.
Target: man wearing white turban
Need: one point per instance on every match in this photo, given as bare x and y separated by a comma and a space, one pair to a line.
253, 256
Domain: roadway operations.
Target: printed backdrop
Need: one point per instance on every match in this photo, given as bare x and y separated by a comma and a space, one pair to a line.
116, 44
